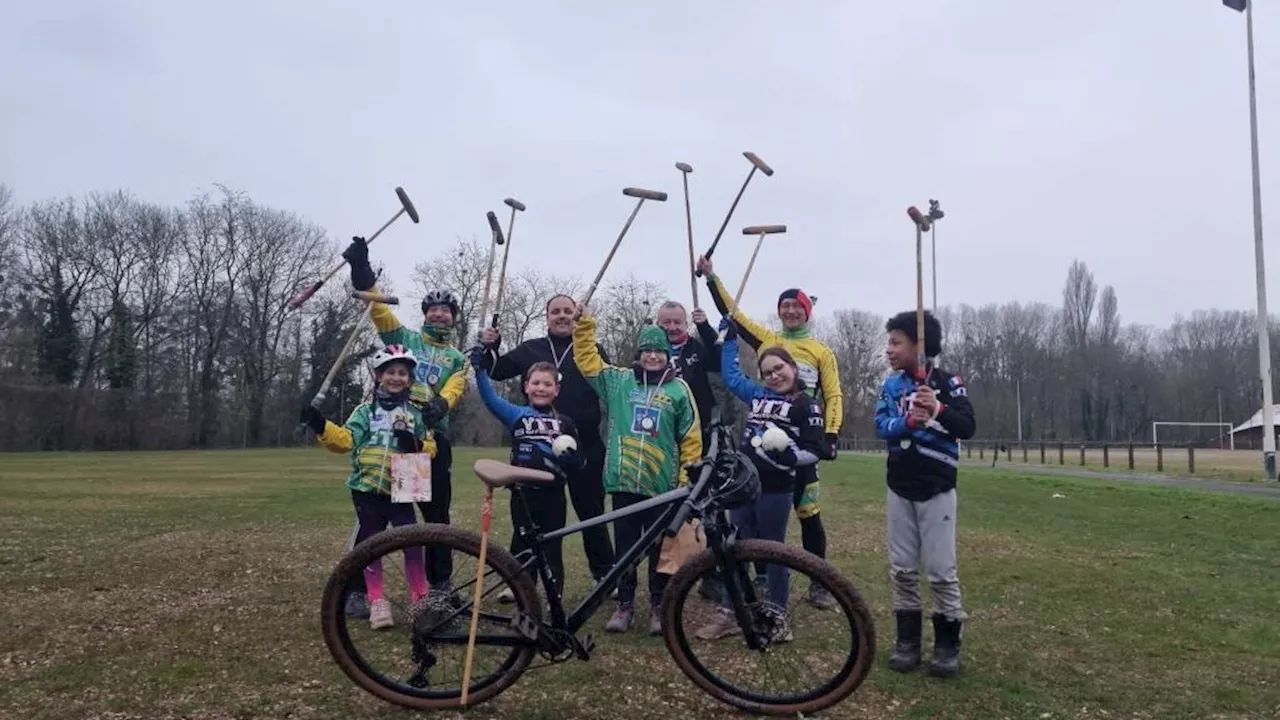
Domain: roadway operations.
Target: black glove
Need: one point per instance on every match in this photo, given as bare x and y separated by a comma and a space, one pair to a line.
730, 329
406, 442
357, 255
435, 410
481, 357
833, 445
785, 457
312, 418
572, 460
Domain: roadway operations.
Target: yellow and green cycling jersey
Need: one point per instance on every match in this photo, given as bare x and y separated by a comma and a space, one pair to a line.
368, 436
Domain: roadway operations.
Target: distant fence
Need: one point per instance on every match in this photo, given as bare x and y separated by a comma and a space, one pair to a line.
1128, 456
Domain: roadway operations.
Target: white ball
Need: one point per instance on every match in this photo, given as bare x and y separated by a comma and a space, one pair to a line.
775, 439
563, 444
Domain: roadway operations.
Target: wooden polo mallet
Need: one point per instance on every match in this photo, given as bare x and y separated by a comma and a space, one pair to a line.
761, 231
406, 208
756, 164
369, 299
922, 223
515, 205
685, 169
629, 192
496, 230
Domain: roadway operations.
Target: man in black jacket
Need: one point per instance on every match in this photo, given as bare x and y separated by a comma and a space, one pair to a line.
577, 401
692, 357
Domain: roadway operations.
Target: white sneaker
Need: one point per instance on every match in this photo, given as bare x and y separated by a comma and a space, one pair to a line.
506, 596
380, 614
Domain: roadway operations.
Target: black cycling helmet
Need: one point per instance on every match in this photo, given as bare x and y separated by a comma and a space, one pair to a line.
441, 297
735, 481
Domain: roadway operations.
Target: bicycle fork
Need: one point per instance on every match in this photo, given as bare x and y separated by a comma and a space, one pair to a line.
721, 538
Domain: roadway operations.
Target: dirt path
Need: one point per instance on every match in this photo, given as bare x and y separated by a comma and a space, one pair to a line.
1271, 490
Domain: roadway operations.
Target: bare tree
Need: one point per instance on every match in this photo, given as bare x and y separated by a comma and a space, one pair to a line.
623, 308
280, 252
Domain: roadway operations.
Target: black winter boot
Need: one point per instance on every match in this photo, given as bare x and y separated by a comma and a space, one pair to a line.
946, 647
906, 654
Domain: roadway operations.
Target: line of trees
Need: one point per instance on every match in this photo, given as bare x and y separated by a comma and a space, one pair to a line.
129, 325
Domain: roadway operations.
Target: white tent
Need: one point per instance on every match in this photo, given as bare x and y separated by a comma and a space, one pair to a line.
1256, 420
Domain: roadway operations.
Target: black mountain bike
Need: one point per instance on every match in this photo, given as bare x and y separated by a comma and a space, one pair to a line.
771, 660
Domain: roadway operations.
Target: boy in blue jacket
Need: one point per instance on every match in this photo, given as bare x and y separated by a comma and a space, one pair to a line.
921, 415
537, 432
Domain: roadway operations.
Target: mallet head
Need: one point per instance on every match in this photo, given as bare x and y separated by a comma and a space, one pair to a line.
920, 219
409, 209
646, 194
514, 204
764, 229
684, 167
495, 227
762, 165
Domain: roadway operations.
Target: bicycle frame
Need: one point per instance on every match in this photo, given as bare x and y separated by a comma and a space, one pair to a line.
627, 561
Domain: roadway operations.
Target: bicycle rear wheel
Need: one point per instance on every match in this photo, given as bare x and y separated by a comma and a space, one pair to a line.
780, 678
424, 651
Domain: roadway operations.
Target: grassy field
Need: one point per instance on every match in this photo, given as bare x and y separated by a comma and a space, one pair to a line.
1234, 465
187, 585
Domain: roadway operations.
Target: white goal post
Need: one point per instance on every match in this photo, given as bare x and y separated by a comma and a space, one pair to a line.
1155, 430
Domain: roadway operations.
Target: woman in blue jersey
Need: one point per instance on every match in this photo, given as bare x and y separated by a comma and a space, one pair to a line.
535, 430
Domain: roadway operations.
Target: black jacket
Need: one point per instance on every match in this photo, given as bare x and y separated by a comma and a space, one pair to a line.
577, 400
697, 357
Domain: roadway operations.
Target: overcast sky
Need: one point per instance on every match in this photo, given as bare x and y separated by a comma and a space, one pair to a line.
1113, 132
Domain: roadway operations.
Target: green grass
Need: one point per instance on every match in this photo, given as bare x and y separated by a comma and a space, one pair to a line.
187, 584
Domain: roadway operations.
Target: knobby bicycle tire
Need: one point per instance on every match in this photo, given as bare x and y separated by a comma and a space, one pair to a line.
458, 540
768, 551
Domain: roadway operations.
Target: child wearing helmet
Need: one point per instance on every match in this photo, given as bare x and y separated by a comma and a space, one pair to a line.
653, 432
374, 431
541, 438
440, 381
783, 436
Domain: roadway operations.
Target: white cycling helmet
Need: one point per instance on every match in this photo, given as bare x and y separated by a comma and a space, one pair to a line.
392, 353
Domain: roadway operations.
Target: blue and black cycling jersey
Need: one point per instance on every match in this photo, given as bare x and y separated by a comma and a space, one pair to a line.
532, 431
923, 458
796, 414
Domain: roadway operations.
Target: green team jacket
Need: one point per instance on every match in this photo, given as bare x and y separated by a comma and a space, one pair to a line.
441, 370
652, 431
367, 436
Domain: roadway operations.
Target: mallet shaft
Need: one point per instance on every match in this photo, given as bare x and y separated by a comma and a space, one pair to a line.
595, 283
685, 169
737, 300
502, 276
302, 297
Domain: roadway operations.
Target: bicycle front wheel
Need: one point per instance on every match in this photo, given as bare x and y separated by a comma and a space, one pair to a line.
808, 658
416, 658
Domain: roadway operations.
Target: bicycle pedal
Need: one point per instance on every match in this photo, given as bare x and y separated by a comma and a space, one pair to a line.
525, 625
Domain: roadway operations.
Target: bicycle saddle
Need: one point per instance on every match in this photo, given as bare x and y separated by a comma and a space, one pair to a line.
499, 475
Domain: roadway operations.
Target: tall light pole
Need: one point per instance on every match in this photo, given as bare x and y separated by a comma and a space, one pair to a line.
1264, 340
935, 214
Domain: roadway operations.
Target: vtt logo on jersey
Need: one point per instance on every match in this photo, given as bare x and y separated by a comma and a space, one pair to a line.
771, 409
541, 428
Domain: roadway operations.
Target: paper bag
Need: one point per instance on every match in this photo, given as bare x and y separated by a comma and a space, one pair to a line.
676, 551
410, 477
